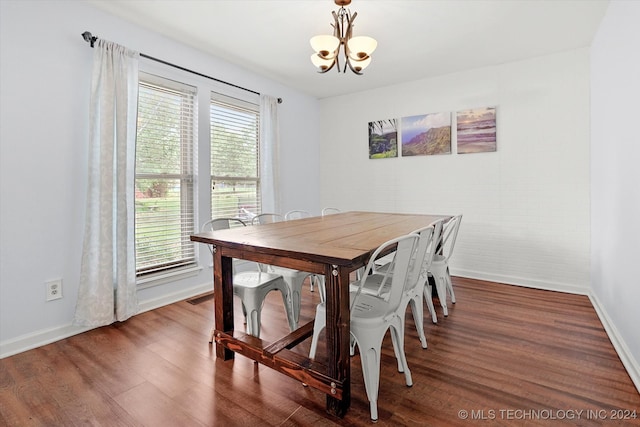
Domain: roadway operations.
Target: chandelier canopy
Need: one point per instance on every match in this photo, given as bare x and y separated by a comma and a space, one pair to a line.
356, 50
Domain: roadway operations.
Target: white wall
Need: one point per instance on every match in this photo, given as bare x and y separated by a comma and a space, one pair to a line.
615, 178
526, 206
45, 69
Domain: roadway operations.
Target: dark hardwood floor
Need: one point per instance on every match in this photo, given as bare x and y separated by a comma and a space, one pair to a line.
505, 355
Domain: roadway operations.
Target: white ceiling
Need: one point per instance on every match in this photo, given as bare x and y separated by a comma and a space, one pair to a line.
416, 38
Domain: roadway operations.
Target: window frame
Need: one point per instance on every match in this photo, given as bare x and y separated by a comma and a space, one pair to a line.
187, 176
240, 106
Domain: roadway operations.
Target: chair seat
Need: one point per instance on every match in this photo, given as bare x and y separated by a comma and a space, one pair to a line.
254, 279
373, 282
369, 309
372, 285
252, 287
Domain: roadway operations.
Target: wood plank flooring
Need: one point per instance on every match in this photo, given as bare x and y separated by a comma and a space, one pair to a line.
505, 355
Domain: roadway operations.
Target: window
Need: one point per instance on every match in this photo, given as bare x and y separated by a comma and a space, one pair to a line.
164, 190
235, 177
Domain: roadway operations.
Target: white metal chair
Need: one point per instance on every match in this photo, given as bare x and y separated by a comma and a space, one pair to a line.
299, 214
330, 211
379, 282
293, 278
372, 316
267, 218
296, 214
440, 265
253, 286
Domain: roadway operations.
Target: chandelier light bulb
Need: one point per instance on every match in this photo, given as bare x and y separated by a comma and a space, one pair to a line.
360, 65
321, 63
361, 47
325, 45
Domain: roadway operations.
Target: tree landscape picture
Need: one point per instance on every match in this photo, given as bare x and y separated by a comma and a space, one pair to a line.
383, 139
426, 134
476, 130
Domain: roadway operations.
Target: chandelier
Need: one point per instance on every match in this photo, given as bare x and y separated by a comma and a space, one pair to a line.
357, 50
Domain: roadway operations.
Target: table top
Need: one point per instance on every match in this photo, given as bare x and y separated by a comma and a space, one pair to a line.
338, 239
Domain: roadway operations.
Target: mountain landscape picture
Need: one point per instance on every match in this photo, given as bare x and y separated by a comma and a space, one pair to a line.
426, 134
476, 130
383, 139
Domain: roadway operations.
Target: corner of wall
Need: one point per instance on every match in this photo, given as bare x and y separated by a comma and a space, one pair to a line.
626, 357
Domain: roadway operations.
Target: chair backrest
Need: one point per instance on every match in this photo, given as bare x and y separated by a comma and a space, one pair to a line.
424, 253
221, 224
449, 235
296, 214
267, 218
330, 211
404, 251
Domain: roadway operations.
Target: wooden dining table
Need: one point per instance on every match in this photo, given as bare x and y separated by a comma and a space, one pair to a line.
333, 246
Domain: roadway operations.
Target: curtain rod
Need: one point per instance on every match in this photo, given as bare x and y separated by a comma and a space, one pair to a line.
89, 38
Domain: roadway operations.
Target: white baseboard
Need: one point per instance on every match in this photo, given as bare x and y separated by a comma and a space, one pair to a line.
628, 360
174, 297
522, 281
47, 336
38, 339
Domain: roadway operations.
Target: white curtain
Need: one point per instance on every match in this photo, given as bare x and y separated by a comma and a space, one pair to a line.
107, 290
269, 164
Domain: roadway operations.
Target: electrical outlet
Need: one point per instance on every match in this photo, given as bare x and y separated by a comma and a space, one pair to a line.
54, 289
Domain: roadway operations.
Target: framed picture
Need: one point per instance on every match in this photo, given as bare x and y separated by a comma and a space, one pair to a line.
383, 139
476, 130
426, 134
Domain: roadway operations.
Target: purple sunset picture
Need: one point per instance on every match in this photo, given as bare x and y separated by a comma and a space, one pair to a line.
476, 130
426, 134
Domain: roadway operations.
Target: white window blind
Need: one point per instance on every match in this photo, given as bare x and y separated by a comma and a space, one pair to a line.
235, 177
164, 175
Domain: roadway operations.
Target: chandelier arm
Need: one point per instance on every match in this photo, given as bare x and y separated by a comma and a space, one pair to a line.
347, 36
351, 67
336, 26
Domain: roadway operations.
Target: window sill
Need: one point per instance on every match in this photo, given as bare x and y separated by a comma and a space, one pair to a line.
167, 277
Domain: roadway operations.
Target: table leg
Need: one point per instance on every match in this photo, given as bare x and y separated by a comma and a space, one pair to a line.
223, 299
337, 335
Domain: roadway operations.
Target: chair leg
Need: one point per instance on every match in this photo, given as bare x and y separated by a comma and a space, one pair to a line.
450, 287
318, 326
429, 300
294, 289
370, 359
288, 300
441, 290
253, 321
398, 332
321, 288
396, 350
417, 309
252, 307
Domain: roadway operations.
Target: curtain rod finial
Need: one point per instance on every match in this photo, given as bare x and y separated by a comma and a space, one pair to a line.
279, 100
88, 37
